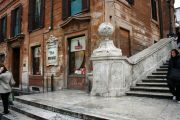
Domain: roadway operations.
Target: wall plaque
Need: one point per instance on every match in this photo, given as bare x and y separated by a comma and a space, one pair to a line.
52, 51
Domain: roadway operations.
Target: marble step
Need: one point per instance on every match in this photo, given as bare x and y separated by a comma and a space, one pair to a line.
152, 84
160, 73
62, 110
15, 116
150, 94
150, 89
39, 113
164, 66
159, 80
162, 69
167, 63
156, 76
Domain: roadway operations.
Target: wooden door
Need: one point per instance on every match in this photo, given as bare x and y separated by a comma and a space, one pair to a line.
125, 44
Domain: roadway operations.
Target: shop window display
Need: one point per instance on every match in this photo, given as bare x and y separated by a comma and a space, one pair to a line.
77, 55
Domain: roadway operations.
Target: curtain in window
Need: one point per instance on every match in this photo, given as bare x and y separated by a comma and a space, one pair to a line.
37, 12
17, 22
36, 60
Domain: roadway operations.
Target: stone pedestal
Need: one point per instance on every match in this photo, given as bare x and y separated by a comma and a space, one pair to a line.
108, 79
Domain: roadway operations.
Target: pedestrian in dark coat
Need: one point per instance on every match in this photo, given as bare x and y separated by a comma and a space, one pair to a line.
6, 80
173, 84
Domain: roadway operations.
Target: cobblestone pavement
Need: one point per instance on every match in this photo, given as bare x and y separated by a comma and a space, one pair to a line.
119, 108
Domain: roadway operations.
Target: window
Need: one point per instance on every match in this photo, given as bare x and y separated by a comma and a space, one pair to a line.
16, 21
36, 52
154, 9
72, 7
2, 58
3, 28
77, 55
36, 14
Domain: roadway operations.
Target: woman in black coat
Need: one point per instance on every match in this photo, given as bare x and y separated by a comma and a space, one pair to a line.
173, 84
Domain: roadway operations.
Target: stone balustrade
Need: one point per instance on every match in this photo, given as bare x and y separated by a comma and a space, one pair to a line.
113, 74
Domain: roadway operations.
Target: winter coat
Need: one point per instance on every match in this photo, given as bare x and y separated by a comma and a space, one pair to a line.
174, 62
6, 80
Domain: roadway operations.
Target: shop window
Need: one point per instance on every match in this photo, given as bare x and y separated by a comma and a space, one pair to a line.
77, 55
3, 28
154, 9
36, 52
16, 21
36, 14
72, 7
2, 58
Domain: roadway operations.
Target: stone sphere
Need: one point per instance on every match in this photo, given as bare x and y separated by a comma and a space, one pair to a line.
106, 29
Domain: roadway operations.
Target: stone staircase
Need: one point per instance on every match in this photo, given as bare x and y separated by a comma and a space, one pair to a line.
24, 110
154, 86
30, 109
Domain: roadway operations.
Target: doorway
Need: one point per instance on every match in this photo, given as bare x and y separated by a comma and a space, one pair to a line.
76, 54
16, 65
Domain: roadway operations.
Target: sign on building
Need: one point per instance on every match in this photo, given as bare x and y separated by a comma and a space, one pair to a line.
78, 44
52, 51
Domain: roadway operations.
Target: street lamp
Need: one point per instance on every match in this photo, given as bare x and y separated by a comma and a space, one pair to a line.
170, 34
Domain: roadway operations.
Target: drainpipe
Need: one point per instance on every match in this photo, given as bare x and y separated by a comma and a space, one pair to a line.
51, 15
160, 19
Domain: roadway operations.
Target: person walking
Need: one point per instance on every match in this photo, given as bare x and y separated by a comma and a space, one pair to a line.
173, 82
6, 80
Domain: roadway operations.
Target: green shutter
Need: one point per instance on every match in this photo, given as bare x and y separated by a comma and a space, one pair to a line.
12, 22
65, 9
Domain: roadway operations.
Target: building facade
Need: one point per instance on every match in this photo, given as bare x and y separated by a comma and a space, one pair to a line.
51, 41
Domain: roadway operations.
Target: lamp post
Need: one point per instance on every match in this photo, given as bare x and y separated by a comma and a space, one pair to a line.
170, 34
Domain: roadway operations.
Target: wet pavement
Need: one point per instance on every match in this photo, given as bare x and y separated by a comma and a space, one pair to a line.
115, 108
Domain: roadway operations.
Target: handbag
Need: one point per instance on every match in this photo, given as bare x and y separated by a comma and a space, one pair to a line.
174, 74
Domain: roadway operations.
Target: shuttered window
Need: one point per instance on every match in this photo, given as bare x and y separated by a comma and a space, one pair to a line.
3, 28
36, 14
16, 16
72, 7
154, 9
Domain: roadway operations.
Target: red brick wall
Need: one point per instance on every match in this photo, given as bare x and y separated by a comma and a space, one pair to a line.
136, 19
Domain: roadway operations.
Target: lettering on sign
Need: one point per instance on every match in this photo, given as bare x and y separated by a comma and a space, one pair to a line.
52, 51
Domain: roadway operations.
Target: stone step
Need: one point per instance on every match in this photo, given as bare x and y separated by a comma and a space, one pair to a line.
160, 73
156, 76
162, 69
38, 113
167, 63
15, 116
152, 84
62, 110
150, 94
150, 89
164, 66
159, 80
